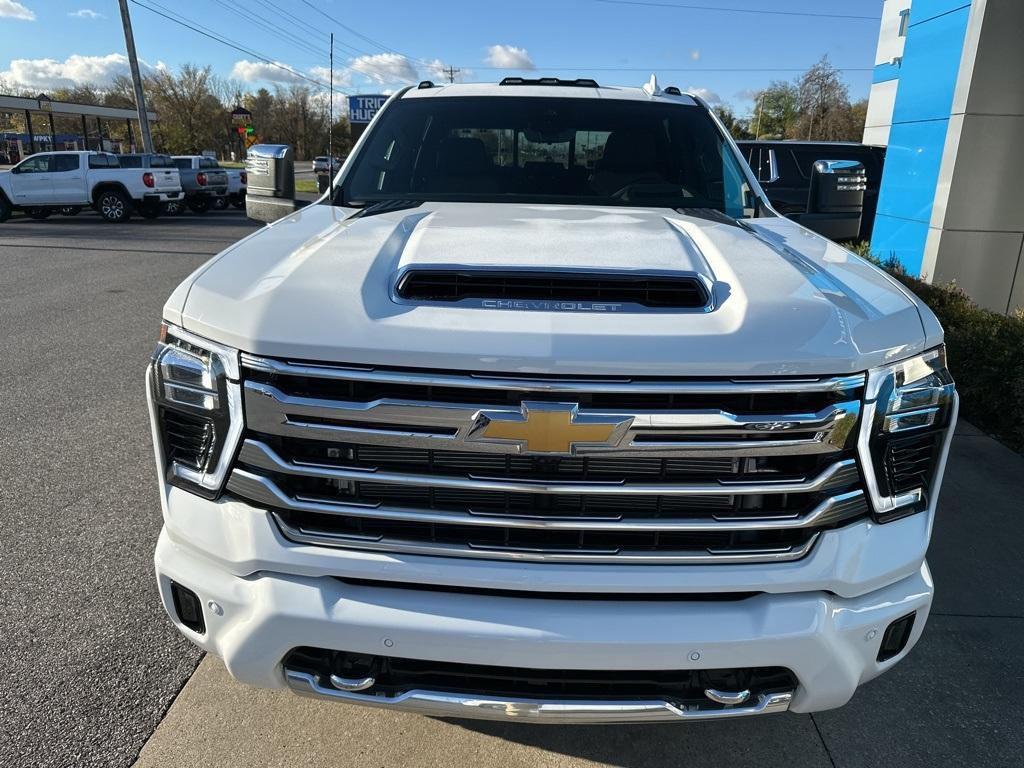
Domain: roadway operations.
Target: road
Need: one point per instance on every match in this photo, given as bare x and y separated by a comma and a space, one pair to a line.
94, 675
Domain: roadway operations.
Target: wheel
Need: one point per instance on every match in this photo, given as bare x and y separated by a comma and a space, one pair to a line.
238, 201
113, 205
149, 209
38, 213
70, 210
199, 204
5, 209
219, 203
174, 207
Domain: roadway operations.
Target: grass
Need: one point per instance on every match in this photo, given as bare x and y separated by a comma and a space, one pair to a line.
306, 185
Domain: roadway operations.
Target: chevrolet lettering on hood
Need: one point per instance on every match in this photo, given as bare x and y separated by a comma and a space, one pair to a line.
549, 306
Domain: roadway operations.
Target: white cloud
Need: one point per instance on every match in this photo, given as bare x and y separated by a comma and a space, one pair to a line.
250, 71
9, 9
386, 68
437, 71
708, 95
695, 54
85, 13
342, 77
509, 57
74, 70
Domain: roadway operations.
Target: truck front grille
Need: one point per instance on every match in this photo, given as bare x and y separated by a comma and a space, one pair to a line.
405, 461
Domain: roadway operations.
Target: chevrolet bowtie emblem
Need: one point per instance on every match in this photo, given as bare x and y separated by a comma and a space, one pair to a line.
549, 428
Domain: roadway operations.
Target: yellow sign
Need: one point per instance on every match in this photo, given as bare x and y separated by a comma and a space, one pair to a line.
549, 427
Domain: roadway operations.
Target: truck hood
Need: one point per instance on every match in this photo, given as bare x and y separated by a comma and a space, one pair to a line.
319, 285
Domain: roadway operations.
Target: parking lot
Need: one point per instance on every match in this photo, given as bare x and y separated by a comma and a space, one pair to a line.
97, 676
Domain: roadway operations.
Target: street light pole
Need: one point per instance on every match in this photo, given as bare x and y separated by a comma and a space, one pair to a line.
133, 62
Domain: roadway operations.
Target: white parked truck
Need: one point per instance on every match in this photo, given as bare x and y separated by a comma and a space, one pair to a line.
66, 182
548, 416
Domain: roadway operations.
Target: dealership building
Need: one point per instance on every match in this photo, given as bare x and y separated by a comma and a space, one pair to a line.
948, 101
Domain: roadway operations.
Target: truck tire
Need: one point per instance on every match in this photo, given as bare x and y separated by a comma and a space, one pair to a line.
219, 203
174, 208
38, 213
149, 209
238, 201
5, 209
70, 210
199, 204
113, 205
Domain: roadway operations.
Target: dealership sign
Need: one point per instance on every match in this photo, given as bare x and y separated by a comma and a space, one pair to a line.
361, 109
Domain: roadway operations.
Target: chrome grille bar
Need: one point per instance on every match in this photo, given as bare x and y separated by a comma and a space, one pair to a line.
261, 455
693, 471
264, 491
570, 385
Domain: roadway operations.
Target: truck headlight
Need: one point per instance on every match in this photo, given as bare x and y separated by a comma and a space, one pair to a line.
198, 407
910, 408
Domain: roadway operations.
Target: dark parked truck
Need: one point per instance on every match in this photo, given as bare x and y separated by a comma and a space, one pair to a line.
785, 169
203, 181
546, 415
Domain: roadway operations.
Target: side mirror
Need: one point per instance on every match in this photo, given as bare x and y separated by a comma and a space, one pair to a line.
270, 192
835, 201
16, 169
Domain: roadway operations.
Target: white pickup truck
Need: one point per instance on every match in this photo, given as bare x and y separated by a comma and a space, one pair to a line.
66, 182
548, 416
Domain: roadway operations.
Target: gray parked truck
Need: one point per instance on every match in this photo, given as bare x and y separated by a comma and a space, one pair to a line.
202, 180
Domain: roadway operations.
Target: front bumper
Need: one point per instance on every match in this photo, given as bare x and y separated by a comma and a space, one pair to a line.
822, 617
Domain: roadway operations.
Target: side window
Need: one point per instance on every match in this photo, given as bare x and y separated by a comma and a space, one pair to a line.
64, 163
100, 161
130, 161
36, 164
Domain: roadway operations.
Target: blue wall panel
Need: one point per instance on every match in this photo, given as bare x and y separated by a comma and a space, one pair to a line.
911, 169
931, 61
927, 81
900, 238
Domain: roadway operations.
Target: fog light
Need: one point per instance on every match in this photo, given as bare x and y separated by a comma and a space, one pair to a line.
895, 638
188, 608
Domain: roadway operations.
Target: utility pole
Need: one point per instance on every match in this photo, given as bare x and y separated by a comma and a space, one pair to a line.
451, 72
760, 111
330, 130
133, 62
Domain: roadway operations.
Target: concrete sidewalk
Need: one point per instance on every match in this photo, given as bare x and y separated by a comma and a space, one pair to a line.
956, 700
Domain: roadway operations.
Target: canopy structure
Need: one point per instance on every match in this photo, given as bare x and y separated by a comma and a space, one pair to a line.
44, 104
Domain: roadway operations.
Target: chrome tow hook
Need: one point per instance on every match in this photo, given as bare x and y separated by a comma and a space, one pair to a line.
352, 684
727, 697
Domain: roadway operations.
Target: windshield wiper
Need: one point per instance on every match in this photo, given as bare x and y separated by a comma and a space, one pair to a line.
374, 207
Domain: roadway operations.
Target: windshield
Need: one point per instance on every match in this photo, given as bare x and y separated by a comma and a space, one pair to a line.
548, 150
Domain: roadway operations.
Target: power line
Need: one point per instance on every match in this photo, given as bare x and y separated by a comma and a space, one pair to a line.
289, 38
305, 26
658, 68
196, 27
357, 33
764, 12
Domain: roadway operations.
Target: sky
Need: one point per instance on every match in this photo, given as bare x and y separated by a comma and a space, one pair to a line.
721, 49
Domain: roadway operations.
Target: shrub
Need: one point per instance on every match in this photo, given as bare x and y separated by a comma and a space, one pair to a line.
985, 350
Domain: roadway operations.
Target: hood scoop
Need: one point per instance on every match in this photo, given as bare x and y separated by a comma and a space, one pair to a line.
556, 291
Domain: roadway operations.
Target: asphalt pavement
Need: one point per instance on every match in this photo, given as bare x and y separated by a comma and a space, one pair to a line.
94, 674
90, 662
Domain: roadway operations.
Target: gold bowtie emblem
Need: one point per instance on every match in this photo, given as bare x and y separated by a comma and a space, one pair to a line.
548, 427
